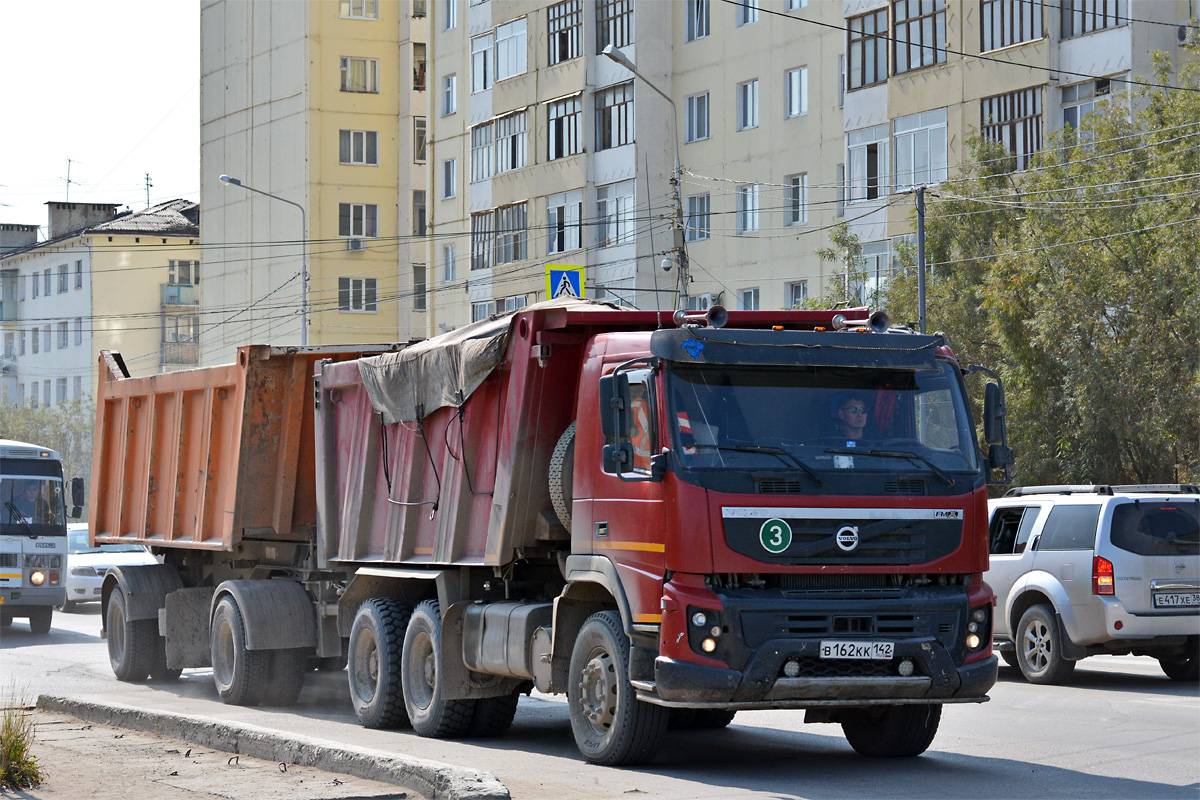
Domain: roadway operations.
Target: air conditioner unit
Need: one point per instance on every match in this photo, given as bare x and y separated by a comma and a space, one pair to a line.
703, 302
356, 244
1186, 34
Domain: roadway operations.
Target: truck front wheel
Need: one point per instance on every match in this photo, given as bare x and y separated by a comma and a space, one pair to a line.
373, 663
422, 675
611, 726
39, 619
130, 642
239, 674
891, 731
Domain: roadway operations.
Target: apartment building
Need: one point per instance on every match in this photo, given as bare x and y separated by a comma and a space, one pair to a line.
316, 110
101, 281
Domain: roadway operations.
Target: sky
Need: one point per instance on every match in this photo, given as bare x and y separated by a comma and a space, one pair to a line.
111, 85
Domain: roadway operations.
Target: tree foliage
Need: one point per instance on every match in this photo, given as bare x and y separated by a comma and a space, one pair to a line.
67, 427
1077, 279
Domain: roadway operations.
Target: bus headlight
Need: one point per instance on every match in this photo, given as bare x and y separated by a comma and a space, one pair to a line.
37, 577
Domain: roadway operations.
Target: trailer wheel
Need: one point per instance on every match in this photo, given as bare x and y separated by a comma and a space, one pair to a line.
130, 642
39, 619
285, 676
611, 726
373, 663
562, 474
239, 674
892, 731
421, 674
493, 716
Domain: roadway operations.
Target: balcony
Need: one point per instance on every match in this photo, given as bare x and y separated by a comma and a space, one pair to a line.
180, 294
180, 354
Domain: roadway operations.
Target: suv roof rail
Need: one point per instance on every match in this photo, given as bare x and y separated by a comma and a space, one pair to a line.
1062, 488
1159, 488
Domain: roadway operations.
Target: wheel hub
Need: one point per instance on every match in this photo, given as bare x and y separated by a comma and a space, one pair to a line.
1037, 645
598, 691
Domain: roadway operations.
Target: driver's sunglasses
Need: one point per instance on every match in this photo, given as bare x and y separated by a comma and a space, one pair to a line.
856, 409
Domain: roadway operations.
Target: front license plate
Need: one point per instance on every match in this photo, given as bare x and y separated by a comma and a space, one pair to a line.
1177, 600
864, 650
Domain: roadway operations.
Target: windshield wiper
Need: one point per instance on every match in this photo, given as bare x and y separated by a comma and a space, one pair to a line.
771, 451
946, 479
15, 513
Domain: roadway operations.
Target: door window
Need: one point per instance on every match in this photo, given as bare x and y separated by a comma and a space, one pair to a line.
1070, 528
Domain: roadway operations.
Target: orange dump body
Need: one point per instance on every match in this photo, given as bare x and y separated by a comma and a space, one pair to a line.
204, 458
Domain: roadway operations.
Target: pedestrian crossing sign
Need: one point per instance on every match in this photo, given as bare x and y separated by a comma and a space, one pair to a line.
564, 281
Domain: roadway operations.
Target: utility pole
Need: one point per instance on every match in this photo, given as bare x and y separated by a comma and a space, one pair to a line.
148, 185
920, 259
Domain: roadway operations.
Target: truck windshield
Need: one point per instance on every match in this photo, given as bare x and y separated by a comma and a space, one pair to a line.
31, 505
833, 420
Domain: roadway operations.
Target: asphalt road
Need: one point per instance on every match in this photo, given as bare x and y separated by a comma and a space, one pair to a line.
1121, 729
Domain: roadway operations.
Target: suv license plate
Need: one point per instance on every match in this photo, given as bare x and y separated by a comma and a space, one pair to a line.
1177, 600
863, 650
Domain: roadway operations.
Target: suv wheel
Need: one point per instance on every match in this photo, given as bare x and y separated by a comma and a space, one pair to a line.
1186, 665
1039, 647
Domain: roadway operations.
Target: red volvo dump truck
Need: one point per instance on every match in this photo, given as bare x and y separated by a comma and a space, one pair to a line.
669, 519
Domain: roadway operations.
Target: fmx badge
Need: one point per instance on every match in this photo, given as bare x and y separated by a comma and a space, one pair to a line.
564, 281
775, 535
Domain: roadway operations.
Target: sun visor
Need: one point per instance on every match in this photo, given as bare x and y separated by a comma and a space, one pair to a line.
796, 348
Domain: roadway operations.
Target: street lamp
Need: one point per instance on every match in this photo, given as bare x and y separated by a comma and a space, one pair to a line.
225, 179
680, 240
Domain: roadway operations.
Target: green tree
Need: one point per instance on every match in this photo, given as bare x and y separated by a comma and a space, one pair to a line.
67, 427
1077, 279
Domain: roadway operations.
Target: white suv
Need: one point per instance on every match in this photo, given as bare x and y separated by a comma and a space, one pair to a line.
1089, 570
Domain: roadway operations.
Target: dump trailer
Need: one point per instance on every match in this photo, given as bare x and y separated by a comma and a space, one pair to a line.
670, 518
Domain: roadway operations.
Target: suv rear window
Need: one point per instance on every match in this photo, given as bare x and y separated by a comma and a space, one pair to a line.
1070, 528
1157, 527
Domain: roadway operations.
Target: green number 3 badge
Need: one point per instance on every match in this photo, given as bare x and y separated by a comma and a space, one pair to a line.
775, 535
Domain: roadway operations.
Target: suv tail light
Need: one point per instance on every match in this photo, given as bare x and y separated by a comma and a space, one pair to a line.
1102, 576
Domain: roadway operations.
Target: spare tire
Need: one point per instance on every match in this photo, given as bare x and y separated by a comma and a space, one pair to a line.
562, 473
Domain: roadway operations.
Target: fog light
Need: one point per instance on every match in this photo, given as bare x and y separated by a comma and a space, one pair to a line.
791, 668
37, 578
906, 668
716, 630
980, 614
972, 626
972, 641
698, 619
708, 645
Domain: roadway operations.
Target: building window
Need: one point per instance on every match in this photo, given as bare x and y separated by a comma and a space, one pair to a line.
46, 341
566, 26
511, 233
420, 288
78, 275
510, 142
419, 140
62, 278
481, 63
511, 49
358, 9
358, 147
747, 208
565, 123
841, 77
797, 199
513, 303
46, 282
418, 207
919, 142
79, 330
747, 299
450, 14
795, 5
614, 23
21, 342
795, 294
482, 232
357, 294
482, 310
418, 67
615, 213
747, 12
696, 116
697, 19
564, 218
868, 148
449, 95
418, 9
1008, 22
64, 335
10, 345
449, 178
840, 183
46, 393
358, 219
60, 390
697, 220
183, 273
35, 342
919, 33
482, 152
747, 105
78, 385
614, 116
448, 262
796, 86
867, 46
360, 75
878, 266
1081, 99
36, 286
1015, 121
1084, 16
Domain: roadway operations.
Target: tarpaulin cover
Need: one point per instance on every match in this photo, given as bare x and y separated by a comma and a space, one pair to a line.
444, 370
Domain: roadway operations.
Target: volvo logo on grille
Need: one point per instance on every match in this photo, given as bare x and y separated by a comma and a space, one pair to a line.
847, 537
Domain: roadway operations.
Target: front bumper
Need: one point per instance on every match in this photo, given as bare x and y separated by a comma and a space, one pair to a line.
31, 596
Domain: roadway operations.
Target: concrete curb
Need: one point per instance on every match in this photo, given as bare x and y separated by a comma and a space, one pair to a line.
432, 779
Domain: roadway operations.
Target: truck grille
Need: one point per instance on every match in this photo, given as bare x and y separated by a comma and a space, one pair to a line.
909, 487
9, 559
759, 626
795, 584
779, 486
837, 668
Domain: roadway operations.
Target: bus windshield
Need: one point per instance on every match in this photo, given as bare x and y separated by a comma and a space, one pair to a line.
31, 505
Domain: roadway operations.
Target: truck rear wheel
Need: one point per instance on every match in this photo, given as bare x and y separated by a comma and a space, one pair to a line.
39, 619
159, 671
611, 726
892, 731
493, 716
239, 674
285, 676
421, 674
130, 642
373, 663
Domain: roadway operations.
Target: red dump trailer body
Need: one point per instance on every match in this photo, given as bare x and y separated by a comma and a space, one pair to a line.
651, 515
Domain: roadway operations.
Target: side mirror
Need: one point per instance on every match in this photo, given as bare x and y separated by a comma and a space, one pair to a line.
614, 406
617, 458
993, 414
77, 497
999, 456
